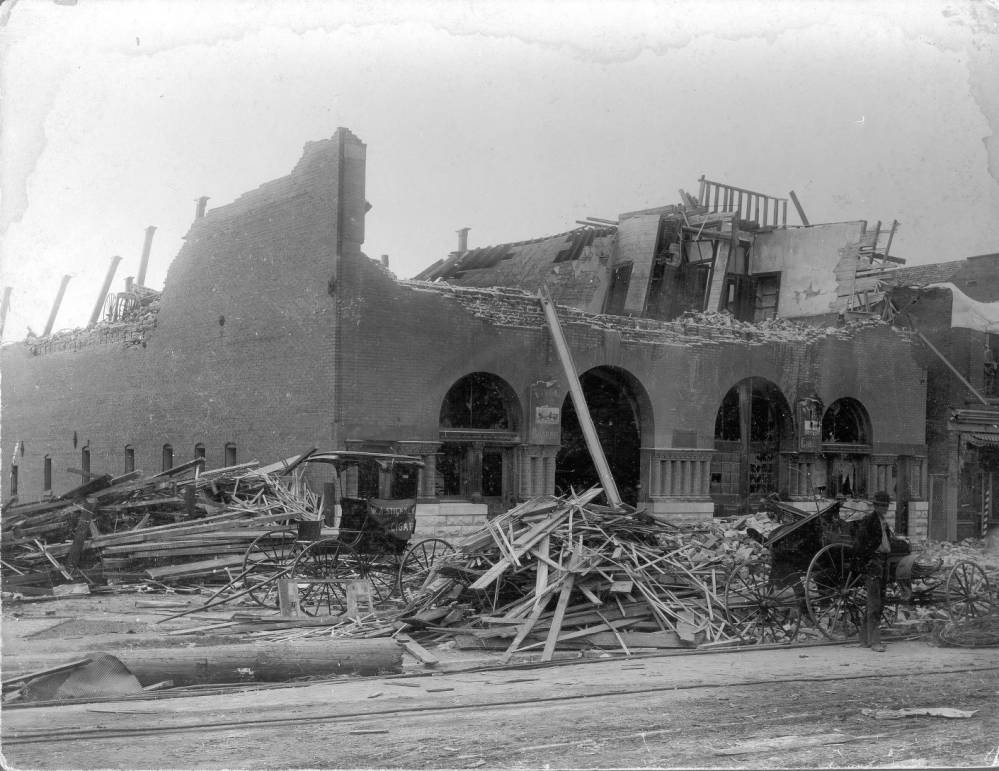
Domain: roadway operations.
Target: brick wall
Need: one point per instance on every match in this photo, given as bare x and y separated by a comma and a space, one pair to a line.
243, 349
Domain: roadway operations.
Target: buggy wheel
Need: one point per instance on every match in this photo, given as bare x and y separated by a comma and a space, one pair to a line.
267, 556
757, 608
967, 592
419, 565
834, 593
322, 571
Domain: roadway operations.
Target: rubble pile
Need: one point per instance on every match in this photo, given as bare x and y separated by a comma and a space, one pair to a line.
131, 328
177, 525
519, 308
564, 572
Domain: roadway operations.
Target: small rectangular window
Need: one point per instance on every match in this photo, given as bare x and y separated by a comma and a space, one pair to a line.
230, 454
129, 459
13, 481
85, 464
47, 474
167, 457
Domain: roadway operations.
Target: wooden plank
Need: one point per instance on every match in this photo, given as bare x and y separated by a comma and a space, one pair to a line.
637, 639
563, 602
79, 537
522, 631
541, 578
191, 568
93, 486
172, 472
416, 650
522, 545
47, 671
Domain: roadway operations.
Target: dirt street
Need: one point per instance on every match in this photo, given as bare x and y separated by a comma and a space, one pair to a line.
788, 707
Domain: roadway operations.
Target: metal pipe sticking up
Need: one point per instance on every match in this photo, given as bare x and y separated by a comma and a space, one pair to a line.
95, 314
55, 306
144, 262
4, 307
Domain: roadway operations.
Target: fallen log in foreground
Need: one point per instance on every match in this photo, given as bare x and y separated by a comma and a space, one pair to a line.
256, 662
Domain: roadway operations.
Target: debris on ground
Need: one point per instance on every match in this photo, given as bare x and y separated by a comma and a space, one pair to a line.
969, 633
179, 525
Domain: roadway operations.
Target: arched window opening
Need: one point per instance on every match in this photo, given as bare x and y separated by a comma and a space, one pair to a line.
753, 424
620, 411
481, 401
846, 422
479, 421
846, 445
199, 450
230, 454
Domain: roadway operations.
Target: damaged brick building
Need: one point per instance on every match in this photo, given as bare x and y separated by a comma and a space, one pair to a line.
275, 333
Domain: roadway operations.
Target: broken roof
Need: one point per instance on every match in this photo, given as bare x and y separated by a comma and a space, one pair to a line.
519, 264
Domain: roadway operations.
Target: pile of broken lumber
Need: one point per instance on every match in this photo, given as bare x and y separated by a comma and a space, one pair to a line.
565, 572
181, 524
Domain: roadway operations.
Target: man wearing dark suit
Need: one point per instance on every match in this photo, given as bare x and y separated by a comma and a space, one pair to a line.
872, 547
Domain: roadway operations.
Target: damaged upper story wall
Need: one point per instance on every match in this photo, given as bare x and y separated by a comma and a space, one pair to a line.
729, 249
272, 254
817, 265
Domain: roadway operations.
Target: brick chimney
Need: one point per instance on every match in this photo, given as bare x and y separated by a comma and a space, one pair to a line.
199, 212
463, 240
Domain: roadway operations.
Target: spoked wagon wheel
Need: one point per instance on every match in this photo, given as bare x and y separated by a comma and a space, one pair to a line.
265, 559
758, 608
834, 593
326, 568
419, 565
967, 592
322, 571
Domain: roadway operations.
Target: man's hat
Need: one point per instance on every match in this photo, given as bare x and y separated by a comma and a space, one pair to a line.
882, 497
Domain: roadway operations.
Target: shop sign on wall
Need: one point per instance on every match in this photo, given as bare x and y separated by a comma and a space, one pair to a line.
809, 425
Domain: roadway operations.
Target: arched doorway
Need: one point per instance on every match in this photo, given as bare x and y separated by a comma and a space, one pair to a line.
752, 426
846, 444
479, 427
621, 412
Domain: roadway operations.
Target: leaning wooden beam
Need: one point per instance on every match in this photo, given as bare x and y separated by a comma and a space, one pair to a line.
579, 400
556, 627
952, 368
172, 472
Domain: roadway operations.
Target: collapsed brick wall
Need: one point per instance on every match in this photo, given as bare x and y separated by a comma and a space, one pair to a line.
243, 351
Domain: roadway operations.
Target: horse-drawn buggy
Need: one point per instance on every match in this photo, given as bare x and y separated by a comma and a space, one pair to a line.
813, 576
363, 537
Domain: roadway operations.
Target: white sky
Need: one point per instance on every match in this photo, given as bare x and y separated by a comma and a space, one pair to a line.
513, 119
